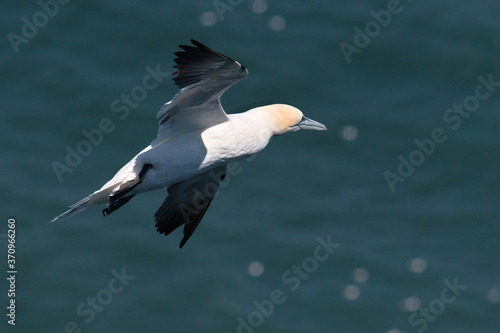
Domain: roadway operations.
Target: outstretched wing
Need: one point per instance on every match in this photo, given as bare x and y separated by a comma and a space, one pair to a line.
203, 75
187, 202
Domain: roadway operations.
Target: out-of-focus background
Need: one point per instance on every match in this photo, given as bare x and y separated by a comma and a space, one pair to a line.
402, 189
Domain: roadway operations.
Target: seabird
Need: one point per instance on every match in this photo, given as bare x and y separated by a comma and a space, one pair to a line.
196, 141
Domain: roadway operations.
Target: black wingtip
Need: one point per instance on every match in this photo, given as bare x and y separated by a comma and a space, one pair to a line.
183, 241
196, 43
197, 61
203, 46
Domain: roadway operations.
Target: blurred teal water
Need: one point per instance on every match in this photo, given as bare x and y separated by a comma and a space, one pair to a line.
253, 263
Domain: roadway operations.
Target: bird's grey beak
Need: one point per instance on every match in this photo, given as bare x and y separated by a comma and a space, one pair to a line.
309, 124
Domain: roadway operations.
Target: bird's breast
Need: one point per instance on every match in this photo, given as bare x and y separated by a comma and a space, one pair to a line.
185, 156
231, 141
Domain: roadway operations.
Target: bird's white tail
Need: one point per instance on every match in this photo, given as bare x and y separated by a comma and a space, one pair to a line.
98, 197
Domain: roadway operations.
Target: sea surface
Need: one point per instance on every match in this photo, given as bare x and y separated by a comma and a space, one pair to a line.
389, 222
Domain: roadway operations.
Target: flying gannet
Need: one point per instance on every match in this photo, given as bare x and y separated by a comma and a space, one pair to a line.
195, 143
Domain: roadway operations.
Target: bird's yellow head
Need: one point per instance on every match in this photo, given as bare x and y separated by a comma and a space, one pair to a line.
286, 118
